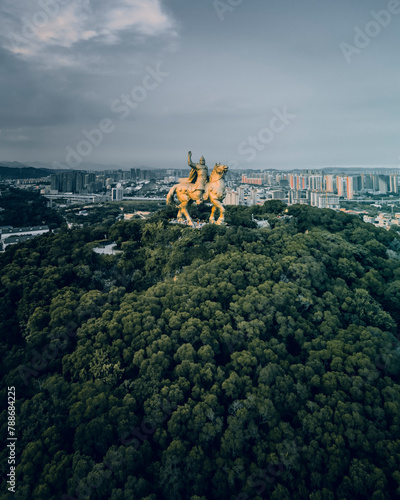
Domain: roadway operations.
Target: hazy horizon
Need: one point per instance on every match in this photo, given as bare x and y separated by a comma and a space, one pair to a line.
104, 166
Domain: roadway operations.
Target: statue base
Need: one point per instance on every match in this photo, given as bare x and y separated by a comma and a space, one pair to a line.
197, 224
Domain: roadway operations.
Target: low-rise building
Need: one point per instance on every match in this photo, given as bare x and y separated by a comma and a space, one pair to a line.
383, 220
322, 199
12, 236
13, 240
20, 231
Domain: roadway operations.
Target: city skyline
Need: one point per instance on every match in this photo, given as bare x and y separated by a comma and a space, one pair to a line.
282, 86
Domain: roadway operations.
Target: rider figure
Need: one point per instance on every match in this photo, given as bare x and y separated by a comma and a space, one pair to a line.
194, 178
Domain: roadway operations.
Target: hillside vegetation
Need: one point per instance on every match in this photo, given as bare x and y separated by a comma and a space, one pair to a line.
223, 363
20, 208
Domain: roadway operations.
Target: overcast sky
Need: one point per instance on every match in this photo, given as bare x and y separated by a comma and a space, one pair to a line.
251, 83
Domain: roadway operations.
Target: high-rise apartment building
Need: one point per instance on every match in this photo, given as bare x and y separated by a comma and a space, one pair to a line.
340, 185
329, 183
316, 182
350, 187
117, 194
394, 184
240, 191
383, 183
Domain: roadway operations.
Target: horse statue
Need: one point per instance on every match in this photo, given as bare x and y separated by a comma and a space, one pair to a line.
214, 191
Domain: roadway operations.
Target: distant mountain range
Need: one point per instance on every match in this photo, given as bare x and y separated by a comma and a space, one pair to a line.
16, 170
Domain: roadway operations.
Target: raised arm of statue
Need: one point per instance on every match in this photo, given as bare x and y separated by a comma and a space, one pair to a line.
193, 165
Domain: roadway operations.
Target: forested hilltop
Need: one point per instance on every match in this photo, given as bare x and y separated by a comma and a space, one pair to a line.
24, 208
223, 363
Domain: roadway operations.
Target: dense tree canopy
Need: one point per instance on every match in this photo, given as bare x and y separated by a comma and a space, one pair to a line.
24, 208
227, 362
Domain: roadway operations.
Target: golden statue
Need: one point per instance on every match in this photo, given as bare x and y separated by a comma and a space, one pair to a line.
199, 187
198, 176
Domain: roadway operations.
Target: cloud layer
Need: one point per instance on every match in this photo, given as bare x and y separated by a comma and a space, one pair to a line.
51, 26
